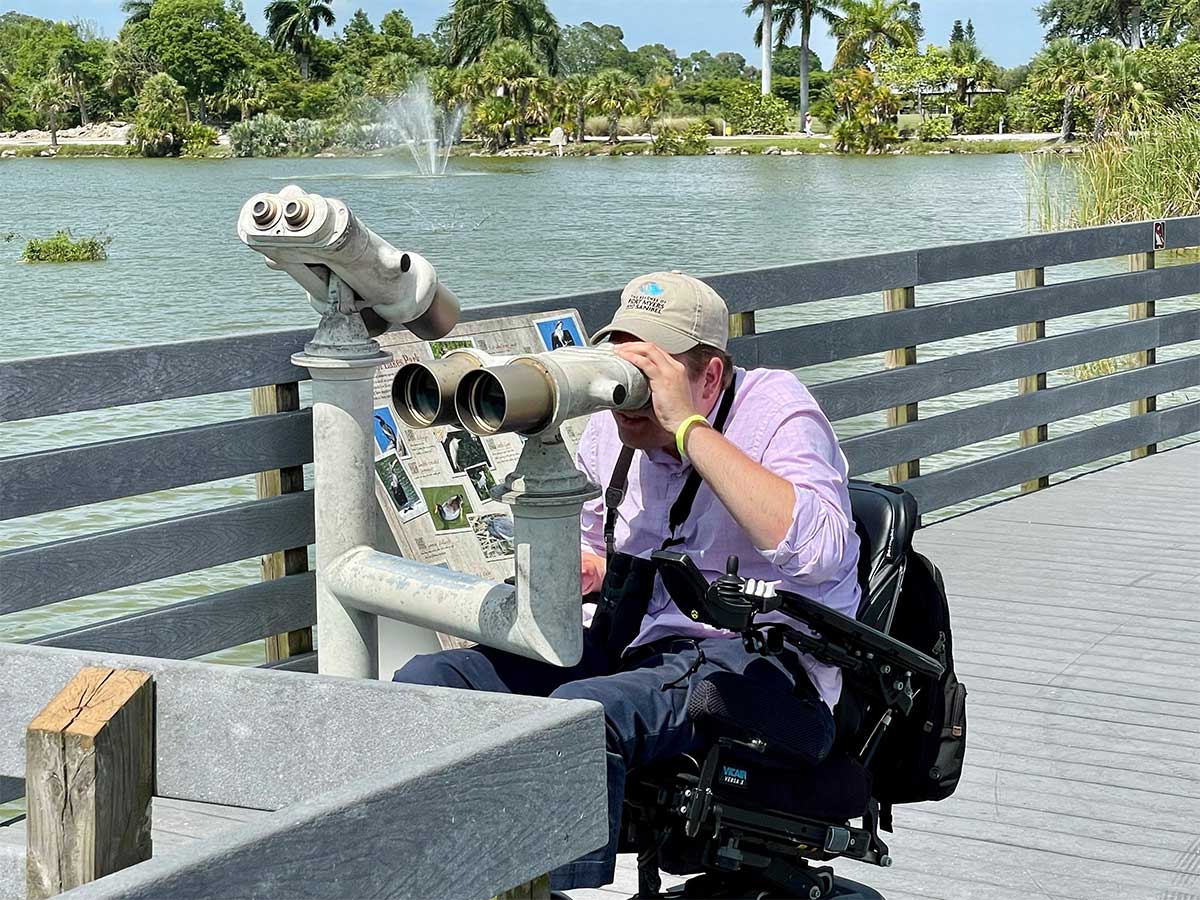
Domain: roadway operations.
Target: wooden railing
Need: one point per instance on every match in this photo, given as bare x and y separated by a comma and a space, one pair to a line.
279, 525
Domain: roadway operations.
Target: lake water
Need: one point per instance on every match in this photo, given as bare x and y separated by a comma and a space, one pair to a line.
496, 230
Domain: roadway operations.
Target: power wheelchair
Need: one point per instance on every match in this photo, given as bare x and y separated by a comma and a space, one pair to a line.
746, 814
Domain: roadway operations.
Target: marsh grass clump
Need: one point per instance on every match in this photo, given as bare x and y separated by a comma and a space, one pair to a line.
1150, 173
62, 247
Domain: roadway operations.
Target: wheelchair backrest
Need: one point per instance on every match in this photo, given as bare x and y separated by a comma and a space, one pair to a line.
885, 517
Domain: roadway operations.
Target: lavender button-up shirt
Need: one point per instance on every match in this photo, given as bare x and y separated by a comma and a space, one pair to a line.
777, 423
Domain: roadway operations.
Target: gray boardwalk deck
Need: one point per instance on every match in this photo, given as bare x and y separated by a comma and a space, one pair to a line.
1076, 616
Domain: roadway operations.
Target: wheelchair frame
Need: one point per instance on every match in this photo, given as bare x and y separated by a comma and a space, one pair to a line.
674, 817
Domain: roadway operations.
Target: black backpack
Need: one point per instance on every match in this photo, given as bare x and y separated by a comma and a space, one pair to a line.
921, 754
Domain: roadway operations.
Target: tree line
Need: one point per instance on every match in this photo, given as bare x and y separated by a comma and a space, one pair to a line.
177, 67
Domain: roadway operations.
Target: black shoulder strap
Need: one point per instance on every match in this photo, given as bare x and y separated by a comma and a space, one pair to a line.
682, 507
614, 496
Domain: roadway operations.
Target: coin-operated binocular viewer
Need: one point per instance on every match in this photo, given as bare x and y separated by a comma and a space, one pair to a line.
361, 285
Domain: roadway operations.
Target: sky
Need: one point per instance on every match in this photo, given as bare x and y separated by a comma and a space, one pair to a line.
1008, 31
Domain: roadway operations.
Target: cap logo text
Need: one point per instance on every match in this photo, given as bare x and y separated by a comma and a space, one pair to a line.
646, 304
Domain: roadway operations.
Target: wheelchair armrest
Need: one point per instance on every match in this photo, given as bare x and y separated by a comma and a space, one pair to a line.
846, 637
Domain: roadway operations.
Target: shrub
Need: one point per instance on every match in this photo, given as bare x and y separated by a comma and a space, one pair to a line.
868, 113
306, 137
983, 116
160, 123
671, 142
262, 135
197, 139
934, 128
750, 112
64, 248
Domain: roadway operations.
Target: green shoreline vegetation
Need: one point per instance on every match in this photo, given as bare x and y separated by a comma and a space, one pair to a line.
182, 70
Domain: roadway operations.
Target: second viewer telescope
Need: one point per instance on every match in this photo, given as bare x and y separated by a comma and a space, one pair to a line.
525, 394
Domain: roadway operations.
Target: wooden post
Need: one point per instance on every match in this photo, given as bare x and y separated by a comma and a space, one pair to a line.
896, 299
741, 324
1031, 278
89, 776
1142, 262
265, 401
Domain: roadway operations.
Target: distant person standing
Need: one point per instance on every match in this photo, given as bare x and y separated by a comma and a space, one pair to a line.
808, 132
558, 139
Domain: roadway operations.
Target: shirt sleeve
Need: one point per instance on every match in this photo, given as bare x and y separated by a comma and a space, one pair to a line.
804, 451
591, 517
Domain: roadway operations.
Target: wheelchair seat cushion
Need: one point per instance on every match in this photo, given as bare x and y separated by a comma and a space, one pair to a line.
797, 728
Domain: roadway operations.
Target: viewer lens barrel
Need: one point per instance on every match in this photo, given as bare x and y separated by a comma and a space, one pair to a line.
513, 397
423, 393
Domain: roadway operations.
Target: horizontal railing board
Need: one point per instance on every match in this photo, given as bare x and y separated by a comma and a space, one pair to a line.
824, 342
100, 562
202, 625
61, 479
303, 735
473, 819
72, 382
927, 437
11, 788
1056, 248
849, 397
303, 662
974, 479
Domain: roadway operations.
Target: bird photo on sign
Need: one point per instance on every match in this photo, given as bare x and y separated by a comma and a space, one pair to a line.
387, 435
464, 451
560, 331
449, 506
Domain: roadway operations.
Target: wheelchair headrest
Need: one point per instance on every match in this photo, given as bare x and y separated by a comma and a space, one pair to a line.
885, 517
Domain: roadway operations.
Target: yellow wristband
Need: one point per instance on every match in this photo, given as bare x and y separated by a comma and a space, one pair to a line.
681, 432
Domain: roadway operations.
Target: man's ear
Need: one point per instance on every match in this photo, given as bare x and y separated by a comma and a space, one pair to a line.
713, 374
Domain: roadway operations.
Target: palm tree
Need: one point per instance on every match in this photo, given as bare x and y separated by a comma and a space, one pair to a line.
244, 92
789, 13
654, 99
68, 64
1118, 89
512, 69
971, 68
493, 117
613, 92
49, 97
762, 36
136, 10
868, 25
575, 90
1059, 68
291, 25
475, 25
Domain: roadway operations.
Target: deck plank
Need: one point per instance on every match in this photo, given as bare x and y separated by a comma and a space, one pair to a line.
1076, 614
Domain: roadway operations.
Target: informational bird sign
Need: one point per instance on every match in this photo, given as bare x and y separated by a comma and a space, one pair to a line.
434, 485
1160, 235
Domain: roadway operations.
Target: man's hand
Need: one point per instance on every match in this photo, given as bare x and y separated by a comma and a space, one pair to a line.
670, 389
592, 569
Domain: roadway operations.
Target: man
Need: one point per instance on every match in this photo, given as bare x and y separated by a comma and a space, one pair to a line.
769, 487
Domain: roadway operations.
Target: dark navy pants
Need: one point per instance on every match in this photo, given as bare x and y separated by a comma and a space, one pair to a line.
645, 707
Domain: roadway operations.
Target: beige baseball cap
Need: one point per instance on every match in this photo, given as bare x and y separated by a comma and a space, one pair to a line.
673, 310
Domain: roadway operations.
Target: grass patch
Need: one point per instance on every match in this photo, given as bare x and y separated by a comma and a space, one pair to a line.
1153, 173
62, 248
